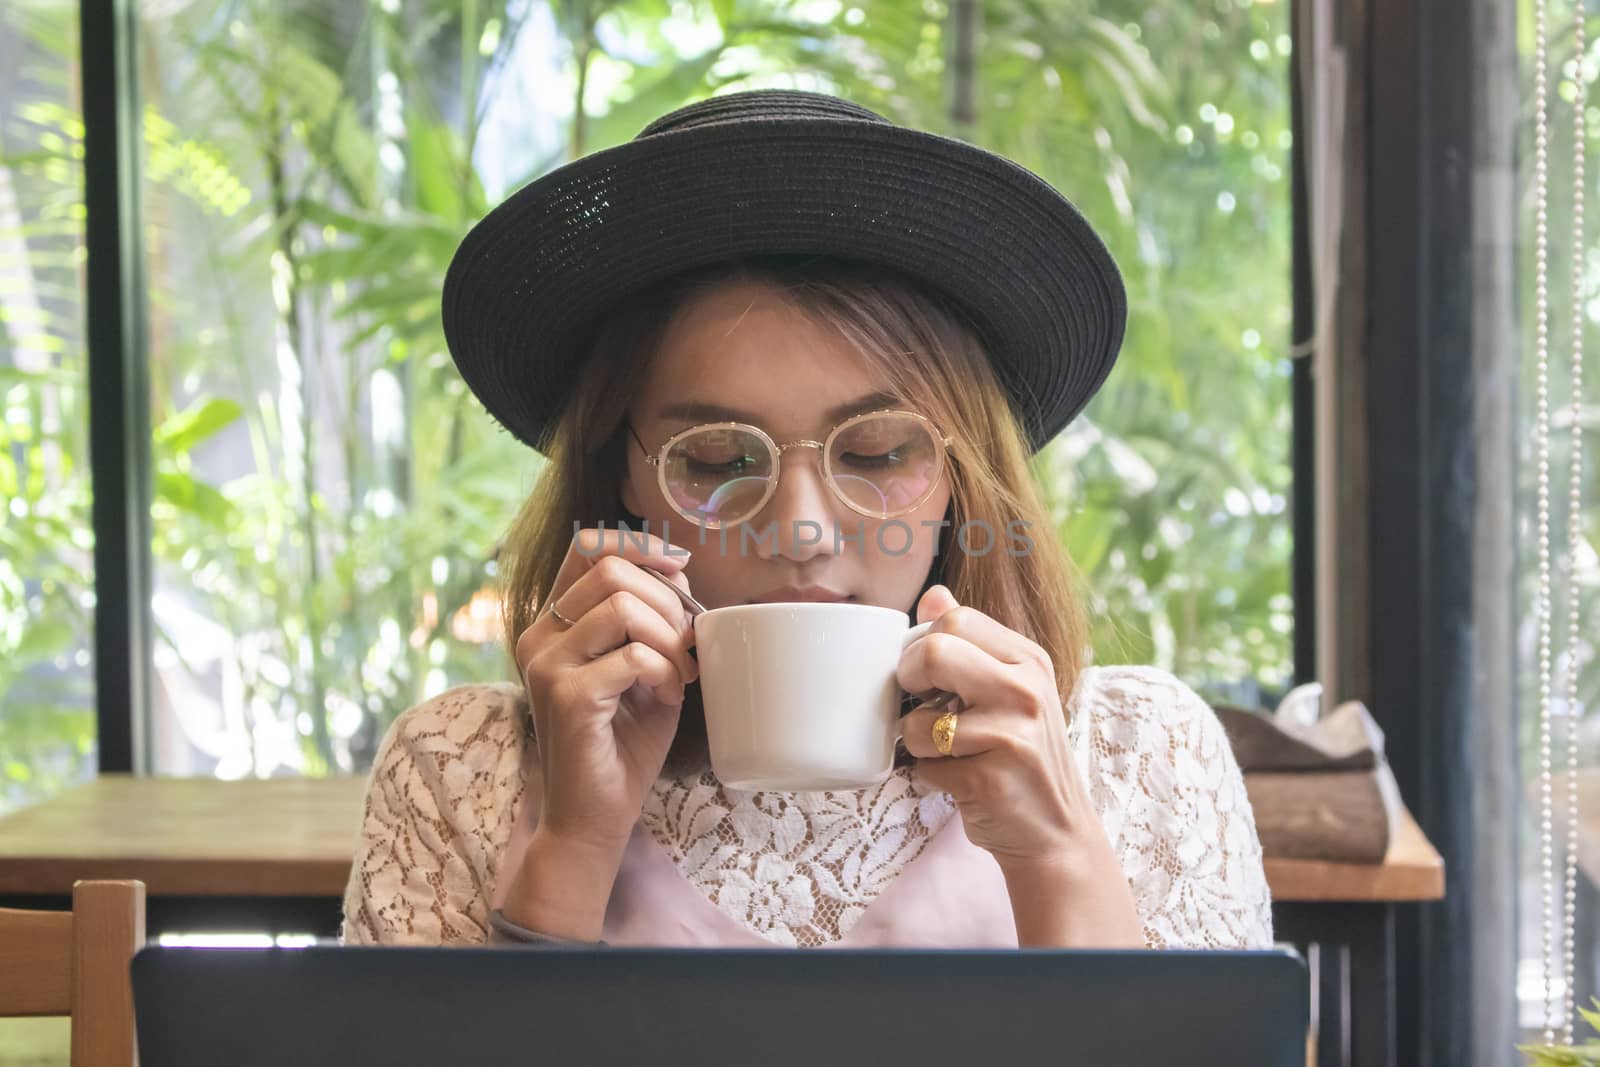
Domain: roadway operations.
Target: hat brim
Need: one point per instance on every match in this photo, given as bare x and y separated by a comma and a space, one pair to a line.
528, 283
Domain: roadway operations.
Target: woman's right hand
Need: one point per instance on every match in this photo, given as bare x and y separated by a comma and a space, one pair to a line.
606, 690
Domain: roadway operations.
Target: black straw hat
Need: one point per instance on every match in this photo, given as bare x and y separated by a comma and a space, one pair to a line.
779, 172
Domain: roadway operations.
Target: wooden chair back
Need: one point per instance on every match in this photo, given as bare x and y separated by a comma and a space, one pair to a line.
75, 963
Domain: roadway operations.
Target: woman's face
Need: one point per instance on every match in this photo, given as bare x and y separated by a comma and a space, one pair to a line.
742, 354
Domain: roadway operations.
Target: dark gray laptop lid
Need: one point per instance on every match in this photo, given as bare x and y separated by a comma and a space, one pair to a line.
398, 1006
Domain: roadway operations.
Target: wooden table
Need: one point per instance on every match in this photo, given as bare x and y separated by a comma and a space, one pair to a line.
1588, 816
254, 854
275, 854
1412, 871
1341, 915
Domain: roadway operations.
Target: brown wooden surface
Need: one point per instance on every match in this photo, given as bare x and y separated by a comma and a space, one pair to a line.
297, 837
188, 836
35, 962
1412, 870
108, 928
1588, 816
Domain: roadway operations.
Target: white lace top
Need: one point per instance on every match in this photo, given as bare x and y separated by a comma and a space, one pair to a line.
801, 869
797, 868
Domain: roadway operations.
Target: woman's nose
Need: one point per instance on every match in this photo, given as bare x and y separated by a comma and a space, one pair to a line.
801, 520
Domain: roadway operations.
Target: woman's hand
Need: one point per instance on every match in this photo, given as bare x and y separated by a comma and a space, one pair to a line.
606, 691
1013, 776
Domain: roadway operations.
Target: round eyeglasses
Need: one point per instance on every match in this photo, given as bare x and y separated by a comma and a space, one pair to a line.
879, 463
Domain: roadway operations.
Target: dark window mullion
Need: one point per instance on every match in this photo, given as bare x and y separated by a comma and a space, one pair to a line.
119, 384
1303, 488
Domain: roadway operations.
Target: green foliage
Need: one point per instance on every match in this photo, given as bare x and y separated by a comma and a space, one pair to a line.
310, 169
46, 601
1584, 1055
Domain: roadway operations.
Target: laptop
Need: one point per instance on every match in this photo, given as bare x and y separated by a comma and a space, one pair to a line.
394, 1006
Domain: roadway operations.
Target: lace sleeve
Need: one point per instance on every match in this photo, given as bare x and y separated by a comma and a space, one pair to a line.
1174, 800
435, 819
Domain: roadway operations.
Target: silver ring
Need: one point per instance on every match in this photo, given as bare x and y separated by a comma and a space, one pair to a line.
559, 617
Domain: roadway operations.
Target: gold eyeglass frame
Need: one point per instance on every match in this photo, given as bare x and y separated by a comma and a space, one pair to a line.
658, 461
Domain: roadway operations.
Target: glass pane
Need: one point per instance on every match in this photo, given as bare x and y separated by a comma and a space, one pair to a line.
328, 499
1574, 573
47, 723
1174, 490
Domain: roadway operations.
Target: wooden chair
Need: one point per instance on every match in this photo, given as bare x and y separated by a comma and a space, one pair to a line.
76, 963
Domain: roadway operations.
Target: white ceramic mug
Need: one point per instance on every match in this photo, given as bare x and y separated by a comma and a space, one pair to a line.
802, 696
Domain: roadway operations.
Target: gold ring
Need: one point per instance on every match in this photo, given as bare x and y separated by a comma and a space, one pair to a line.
558, 616
944, 733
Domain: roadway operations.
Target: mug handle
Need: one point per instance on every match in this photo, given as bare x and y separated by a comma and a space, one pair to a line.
914, 633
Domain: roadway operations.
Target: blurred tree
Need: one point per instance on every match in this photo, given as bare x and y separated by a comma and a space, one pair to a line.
329, 495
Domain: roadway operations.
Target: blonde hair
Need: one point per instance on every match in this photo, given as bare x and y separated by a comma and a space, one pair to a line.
923, 349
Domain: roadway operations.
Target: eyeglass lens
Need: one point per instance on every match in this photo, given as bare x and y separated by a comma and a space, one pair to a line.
882, 464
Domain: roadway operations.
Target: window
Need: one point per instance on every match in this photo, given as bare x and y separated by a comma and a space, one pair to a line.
1584, 574
47, 717
327, 495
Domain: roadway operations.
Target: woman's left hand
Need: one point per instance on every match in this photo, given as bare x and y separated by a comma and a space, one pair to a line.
1012, 771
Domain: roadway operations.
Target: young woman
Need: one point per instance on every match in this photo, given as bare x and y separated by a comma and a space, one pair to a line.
777, 311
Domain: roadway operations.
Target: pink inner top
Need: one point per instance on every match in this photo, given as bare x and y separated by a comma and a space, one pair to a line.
952, 895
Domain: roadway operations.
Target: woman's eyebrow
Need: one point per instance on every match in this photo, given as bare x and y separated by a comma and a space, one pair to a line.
721, 413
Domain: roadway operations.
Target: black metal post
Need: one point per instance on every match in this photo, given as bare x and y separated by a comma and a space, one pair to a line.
1303, 443
1423, 485
119, 386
